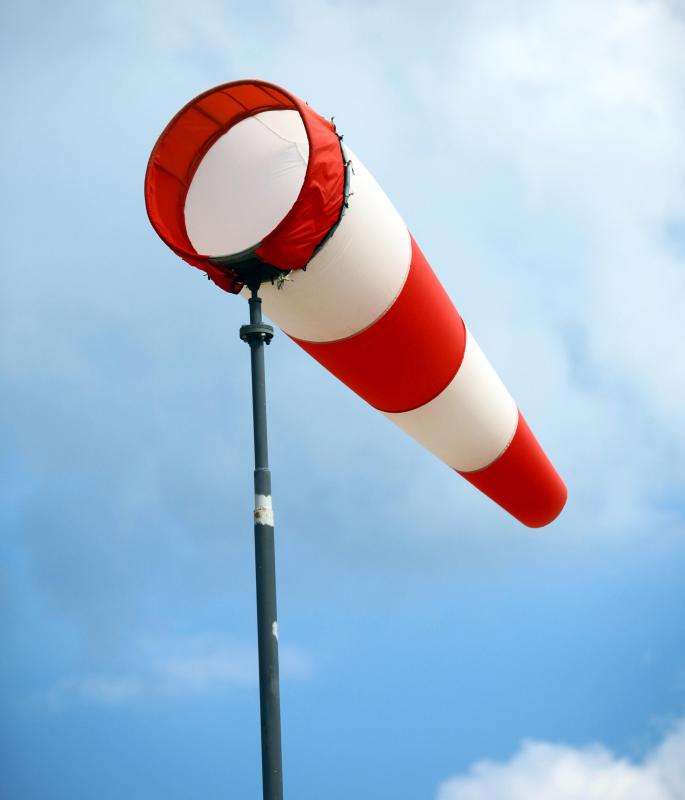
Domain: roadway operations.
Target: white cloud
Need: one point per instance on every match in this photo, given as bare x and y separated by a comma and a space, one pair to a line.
563, 126
100, 689
174, 668
541, 771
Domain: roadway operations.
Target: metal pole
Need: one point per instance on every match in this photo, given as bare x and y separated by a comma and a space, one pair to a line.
256, 334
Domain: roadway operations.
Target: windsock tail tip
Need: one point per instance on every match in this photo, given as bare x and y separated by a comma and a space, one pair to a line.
523, 481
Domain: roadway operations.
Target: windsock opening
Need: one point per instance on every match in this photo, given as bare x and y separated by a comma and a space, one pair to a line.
247, 182
245, 170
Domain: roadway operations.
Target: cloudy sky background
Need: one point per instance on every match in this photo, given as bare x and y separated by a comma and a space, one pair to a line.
431, 646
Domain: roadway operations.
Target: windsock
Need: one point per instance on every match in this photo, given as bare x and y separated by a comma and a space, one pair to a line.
248, 177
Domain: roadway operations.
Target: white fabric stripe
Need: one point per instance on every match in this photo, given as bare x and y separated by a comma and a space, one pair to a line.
471, 422
354, 278
246, 183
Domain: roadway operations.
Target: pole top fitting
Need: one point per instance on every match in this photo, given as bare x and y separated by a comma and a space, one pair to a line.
256, 333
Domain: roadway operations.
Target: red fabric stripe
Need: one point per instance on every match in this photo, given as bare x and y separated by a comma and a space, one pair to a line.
523, 481
410, 354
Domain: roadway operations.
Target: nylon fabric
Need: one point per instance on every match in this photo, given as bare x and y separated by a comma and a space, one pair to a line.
407, 357
355, 278
368, 306
247, 182
522, 480
192, 132
471, 421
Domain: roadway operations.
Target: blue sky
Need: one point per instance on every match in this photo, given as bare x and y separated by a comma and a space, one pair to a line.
537, 152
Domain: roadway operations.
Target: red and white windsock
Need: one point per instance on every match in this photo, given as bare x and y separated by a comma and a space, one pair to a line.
248, 176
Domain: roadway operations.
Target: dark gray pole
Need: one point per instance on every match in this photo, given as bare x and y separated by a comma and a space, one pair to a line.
256, 334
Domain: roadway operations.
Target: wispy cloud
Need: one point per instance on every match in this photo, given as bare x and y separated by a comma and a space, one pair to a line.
565, 125
543, 771
172, 669
101, 689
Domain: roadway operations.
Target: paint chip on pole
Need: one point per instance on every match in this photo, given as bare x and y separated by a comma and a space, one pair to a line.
263, 512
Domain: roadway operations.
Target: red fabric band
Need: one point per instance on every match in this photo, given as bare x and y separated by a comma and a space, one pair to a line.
523, 481
408, 355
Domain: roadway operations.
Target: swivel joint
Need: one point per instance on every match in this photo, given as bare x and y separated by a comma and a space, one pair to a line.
254, 333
